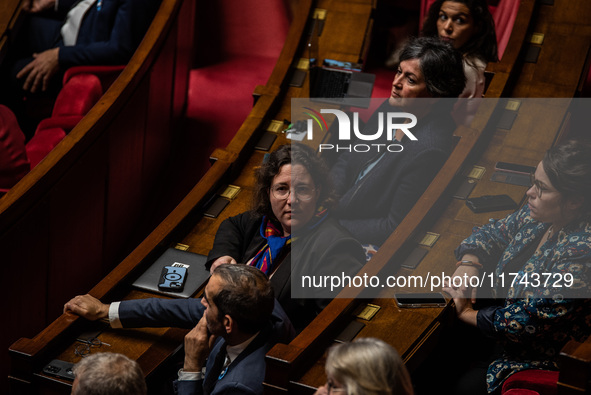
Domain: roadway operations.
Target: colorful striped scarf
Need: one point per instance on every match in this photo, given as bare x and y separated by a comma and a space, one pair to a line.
272, 232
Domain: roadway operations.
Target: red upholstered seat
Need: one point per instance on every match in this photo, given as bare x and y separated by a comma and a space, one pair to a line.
42, 143
106, 74
240, 48
78, 95
65, 122
49, 133
542, 382
516, 391
504, 16
14, 163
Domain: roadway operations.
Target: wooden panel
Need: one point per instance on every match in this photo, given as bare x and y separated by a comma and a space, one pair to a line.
158, 114
77, 205
184, 57
24, 294
124, 194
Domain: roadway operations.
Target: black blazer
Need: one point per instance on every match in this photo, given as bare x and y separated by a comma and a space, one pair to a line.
245, 374
373, 207
327, 249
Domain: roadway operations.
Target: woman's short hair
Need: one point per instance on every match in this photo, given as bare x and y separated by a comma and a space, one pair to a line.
108, 373
296, 154
368, 366
442, 66
568, 167
483, 44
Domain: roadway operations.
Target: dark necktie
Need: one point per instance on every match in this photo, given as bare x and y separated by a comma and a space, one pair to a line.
212, 376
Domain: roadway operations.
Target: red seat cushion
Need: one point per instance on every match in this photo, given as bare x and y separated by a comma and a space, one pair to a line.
543, 382
66, 122
42, 143
78, 95
14, 163
516, 391
49, 133
106, 74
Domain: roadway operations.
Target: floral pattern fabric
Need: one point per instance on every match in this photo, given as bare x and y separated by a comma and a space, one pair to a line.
538, 317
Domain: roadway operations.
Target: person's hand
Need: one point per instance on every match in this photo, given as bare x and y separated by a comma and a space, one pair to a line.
221, 260
464, 308
34, 6
38, 72
322, 390
88, 307
198, 344
460, 280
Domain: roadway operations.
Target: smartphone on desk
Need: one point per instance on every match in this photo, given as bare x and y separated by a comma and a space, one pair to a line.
60, 368
514, 168
488, 203
172, 279
420, 299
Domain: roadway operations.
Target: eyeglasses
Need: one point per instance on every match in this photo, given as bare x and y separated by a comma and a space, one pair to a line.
302, 192
537, 185
332, 389
83, 349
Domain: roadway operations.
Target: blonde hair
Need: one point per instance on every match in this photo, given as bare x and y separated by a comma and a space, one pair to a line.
368, 366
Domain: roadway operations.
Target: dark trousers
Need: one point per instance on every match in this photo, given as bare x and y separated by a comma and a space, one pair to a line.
38, 33
459, 364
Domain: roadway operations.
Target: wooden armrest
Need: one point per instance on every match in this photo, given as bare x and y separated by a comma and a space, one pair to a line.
575, 367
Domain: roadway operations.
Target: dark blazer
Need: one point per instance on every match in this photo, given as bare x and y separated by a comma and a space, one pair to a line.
245, 374
327, 249
373, 207
108, 36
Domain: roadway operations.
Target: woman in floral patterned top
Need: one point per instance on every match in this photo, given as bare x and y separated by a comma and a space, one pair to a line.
541, 259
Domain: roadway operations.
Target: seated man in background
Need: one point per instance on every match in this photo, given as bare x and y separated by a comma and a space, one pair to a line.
238, 316
379, 187
65, 33
108, 373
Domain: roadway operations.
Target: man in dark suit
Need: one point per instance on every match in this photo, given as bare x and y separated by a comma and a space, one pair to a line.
60, 34
238, 319
66, 33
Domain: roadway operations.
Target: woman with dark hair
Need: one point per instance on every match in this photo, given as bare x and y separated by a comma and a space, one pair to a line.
468, 25
378, 188
541, 259
291, 208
